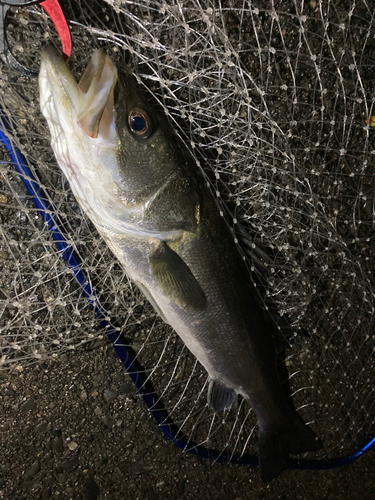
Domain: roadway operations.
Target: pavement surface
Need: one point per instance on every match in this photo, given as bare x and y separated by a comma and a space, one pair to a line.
73, 428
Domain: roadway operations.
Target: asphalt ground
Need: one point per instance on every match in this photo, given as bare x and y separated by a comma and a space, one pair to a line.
73, 428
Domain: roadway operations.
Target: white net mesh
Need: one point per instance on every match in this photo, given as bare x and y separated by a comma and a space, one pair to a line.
274, 101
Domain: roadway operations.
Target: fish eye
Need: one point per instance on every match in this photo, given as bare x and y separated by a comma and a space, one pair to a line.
139, 123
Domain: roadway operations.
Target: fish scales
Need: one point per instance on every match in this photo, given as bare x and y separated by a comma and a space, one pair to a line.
151, 205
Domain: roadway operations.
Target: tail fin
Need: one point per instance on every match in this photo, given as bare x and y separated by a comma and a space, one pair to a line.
274, 446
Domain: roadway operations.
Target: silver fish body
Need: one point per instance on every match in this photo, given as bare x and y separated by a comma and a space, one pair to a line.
152, 207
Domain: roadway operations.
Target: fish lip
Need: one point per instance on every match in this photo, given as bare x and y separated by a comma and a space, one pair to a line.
53, 64
50, 53
90, 102
55, 74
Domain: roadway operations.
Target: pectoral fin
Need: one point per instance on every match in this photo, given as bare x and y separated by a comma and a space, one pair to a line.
175, 279
220, 397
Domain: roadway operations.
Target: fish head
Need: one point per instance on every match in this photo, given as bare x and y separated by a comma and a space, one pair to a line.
106, 139
87, 105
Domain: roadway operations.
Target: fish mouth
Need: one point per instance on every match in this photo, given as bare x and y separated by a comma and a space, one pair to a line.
89, 102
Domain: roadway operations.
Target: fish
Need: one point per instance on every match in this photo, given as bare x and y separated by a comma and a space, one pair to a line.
151, 204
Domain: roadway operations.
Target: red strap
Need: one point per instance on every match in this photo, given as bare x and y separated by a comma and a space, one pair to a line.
53, 9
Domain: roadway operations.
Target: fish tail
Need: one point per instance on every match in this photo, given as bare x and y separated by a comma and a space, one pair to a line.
275, 445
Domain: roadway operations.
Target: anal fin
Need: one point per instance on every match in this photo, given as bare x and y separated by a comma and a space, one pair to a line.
220, 397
